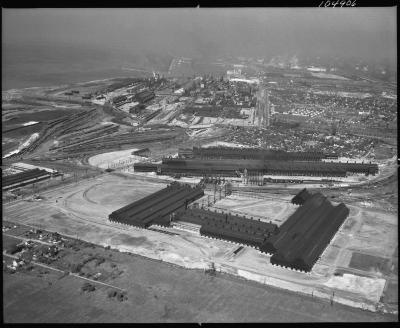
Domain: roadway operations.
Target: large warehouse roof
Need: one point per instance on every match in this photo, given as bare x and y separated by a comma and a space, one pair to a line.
156, 207
305, 234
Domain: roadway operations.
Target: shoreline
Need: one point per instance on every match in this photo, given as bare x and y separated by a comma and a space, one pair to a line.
14, 90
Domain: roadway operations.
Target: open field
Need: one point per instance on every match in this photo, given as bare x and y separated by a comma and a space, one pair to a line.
391, 293
367, 262
18, 231
81, 210
159, 292
9, 242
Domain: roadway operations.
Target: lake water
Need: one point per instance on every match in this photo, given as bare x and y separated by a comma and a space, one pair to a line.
25, 66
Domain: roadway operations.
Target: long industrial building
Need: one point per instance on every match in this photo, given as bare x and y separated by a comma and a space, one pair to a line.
252, 153
225, 226
144, 96
229, 168
303, 237
297, 243
24, 178
157, 207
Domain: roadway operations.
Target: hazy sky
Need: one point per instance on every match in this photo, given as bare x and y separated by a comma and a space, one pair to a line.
367, 32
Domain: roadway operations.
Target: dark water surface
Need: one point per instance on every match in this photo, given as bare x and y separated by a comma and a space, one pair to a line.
34, 65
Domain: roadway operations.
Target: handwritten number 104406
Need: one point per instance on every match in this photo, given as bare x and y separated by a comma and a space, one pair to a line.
334, 3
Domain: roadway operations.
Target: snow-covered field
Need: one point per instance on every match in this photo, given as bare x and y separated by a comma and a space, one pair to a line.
199, 132
114, 158
225, 144
31, 167
30, 123
328, 76
31, 139
99, 101
166, 177
180, 123
73, 106
200, 126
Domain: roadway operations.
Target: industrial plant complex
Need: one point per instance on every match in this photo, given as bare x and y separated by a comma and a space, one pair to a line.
240, 167
250, 163
298, 243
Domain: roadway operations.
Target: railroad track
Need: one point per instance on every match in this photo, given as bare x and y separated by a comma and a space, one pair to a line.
260, 195
56, 128
83, 137
116, 141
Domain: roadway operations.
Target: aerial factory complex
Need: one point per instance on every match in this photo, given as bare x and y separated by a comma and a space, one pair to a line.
275, 171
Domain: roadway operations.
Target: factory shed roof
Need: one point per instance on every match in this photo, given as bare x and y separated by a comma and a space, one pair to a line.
303, 237
301, 197
22, 176
156, 207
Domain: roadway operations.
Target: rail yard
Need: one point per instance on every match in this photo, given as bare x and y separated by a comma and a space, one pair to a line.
206, 173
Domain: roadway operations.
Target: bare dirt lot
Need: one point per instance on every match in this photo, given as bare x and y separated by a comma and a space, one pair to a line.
367, 262
273, 209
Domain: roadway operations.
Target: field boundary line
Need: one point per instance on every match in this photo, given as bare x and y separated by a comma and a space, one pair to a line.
69, 273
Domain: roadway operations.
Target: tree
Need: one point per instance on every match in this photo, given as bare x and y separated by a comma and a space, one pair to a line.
87, 287
14, 249
111, 293
76, 267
